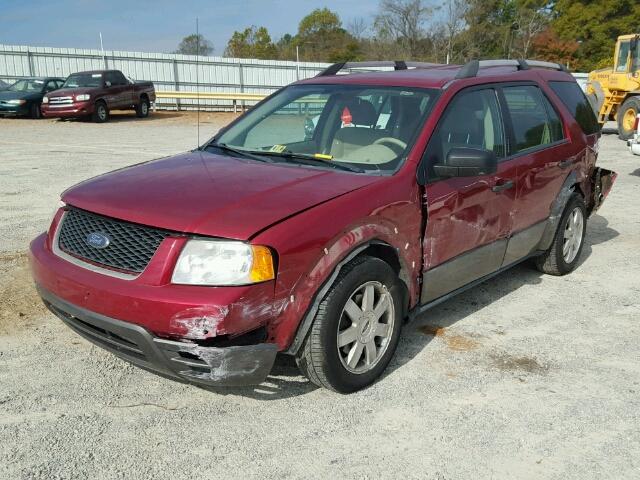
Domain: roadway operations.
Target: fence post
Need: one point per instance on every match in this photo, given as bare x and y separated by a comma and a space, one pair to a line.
241, 78
176, 82
30, 63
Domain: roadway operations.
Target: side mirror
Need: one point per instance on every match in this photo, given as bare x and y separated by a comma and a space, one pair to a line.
107, 84
467, 162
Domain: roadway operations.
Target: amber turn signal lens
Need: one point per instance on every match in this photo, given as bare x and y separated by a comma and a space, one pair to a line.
262, 266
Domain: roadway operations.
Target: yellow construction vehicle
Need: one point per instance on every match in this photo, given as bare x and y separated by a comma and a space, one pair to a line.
615, 92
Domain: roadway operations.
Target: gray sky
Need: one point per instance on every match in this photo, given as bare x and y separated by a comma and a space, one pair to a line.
155, 26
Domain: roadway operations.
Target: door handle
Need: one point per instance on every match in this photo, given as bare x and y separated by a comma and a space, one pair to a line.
502, 186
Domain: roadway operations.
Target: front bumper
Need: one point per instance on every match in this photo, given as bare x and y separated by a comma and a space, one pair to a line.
182, 361
71, 110
13, 110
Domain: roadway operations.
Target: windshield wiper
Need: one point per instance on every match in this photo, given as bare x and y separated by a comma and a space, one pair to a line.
237, 151
313, 159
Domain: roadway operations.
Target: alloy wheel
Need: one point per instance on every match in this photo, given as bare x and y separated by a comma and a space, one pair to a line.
366, 327
573, 235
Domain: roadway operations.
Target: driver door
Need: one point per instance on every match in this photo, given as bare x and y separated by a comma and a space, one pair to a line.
468, 218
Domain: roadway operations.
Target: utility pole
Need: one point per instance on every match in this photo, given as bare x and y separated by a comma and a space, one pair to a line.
297, 62
104, 57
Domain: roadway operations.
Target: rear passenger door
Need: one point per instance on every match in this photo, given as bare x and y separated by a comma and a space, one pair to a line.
469, 219
543, 157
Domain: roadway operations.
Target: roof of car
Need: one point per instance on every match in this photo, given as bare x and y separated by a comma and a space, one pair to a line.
95, 71
437, 76
41, 78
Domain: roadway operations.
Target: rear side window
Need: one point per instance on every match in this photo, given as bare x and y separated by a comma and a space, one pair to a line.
576, 102
535, 122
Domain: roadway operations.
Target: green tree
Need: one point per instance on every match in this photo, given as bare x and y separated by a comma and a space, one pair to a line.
595, 24
322, 38
253, 42
195, 45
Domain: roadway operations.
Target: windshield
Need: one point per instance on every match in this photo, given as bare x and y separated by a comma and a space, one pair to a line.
27, 86
370, 129
83, 80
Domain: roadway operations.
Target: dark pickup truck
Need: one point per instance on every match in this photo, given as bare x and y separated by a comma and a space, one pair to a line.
94, 94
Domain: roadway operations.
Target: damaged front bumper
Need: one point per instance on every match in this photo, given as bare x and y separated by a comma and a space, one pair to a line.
183, 361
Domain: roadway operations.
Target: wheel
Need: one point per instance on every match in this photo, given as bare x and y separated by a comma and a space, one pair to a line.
563, 255
626, 117
356, 329
34, 111
142, 110
100, 112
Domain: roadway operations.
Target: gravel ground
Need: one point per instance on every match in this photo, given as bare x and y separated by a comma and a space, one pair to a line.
525, 376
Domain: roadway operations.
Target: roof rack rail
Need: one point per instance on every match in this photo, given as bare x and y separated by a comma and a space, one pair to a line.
396, 64
470, 69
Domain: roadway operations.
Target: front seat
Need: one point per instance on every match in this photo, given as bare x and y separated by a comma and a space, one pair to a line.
361, 134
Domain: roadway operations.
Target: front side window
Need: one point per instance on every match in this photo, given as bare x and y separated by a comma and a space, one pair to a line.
472, 120
576, 102
623, 56
535, 122
371, 129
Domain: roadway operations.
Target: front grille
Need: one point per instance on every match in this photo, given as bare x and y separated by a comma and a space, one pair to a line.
60, 100
130, 246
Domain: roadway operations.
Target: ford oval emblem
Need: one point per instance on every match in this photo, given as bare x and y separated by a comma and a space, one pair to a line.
97, 240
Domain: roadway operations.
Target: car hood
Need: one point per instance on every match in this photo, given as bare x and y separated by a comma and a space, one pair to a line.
214, 195
11, 95
67, 92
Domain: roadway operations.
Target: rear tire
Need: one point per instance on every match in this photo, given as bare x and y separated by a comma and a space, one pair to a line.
626, 117
368, 289
564, 254
100, 112
142, 109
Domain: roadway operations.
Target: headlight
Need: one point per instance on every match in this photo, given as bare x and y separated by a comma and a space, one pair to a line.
218, 262
45, 99
83, 97
17, 102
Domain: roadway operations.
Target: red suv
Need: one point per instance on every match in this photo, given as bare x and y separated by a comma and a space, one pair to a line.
321, 220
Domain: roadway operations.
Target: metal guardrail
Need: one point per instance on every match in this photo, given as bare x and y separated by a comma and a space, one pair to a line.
232, 96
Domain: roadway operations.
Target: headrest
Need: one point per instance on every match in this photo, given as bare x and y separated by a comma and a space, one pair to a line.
362, 112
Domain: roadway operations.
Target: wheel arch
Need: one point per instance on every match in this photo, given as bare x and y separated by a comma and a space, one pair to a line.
373, 248
570, 185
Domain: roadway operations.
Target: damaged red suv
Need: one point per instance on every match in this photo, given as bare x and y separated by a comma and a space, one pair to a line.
322, 219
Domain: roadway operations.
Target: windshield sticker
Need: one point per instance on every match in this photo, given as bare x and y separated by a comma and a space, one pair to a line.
323, 156
278, 148
39, 82
96, 75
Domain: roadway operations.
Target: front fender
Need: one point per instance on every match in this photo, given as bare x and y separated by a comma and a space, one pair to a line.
340, 252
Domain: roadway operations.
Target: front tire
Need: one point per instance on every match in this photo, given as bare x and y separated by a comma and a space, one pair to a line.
100, 112
35, 112
626, 117
564, 254
356, 329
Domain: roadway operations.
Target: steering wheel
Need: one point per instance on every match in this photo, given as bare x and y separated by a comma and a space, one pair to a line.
392, 142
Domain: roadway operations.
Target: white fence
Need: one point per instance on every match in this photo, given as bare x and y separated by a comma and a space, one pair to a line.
167, 71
